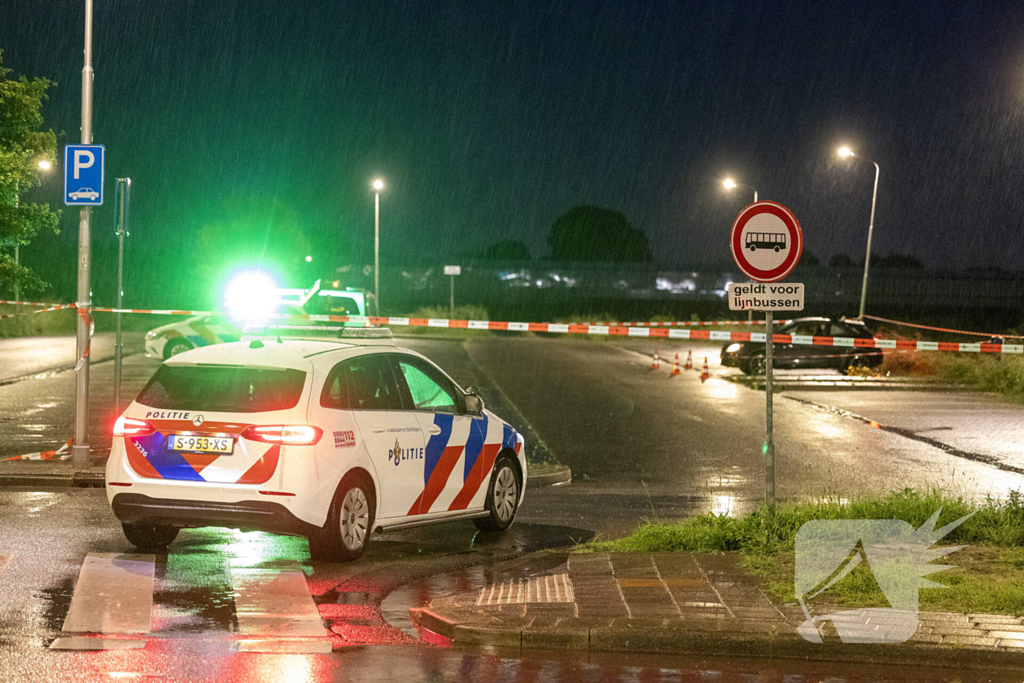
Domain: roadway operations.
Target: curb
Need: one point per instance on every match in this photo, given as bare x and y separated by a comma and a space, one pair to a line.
47, 480
681, 641
562, 476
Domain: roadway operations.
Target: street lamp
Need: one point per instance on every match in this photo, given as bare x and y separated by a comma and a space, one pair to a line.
731, 184
44, 165
846, 152
378, 185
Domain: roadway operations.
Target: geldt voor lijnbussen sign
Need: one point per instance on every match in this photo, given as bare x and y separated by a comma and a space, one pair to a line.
766, 241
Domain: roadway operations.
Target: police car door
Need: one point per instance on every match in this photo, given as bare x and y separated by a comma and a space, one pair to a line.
450, 435
392, 435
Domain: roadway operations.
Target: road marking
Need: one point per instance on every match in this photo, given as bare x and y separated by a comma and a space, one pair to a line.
114, 594
275, 601
97, 644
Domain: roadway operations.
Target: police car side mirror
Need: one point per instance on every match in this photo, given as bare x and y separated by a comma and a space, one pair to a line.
474, 404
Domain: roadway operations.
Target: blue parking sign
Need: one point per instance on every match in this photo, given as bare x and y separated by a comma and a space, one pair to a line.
83, 175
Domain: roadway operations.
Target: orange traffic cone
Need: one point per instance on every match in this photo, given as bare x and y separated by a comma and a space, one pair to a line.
704, 374
675, 367
689, 360
656, 365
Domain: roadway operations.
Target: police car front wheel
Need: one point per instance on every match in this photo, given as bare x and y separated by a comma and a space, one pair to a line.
503, 496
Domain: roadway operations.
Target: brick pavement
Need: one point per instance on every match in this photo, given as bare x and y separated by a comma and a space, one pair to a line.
691, 603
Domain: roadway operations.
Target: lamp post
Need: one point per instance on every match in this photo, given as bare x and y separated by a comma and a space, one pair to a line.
846, 152
378, 185
731, 184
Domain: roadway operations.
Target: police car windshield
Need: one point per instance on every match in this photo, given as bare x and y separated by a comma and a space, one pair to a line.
223, 388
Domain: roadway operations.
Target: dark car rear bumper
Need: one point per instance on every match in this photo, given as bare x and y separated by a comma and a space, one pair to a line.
135, 508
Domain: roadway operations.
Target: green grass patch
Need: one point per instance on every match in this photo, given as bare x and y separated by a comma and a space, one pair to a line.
989, 574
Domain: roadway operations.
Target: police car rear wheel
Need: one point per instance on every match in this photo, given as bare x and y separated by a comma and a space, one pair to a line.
349, 523
502, 497
150, 536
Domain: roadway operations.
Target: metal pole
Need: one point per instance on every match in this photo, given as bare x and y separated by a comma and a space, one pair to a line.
376, 249
81, 448
867, 257
769, 444
121, 227
17, 261
451, 304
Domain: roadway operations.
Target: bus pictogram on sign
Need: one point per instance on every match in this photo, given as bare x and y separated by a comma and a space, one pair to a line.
766, 241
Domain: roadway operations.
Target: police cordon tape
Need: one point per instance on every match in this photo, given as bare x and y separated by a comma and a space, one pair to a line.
687, 323
604, 330
61, 453
45, 310
942, 329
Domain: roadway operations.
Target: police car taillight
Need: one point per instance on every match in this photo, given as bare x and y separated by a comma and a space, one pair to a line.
285, 435
129, 426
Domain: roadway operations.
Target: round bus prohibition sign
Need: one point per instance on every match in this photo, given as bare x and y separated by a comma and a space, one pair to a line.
766, 241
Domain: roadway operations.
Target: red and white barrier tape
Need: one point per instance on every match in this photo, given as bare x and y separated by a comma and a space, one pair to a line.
942, 329
680, 323
59, 454
26, 303
617, 331
44, 310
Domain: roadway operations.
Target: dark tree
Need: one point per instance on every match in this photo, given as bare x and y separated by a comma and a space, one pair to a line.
901, 261
22, 146
590, 233
840, 261
507, 250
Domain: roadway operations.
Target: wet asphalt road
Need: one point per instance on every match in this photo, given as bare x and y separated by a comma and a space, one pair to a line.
640, 444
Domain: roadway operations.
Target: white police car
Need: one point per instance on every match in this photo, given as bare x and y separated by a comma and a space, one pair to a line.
325, 438
201, 330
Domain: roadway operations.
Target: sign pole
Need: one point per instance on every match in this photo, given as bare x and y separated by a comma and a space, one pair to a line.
121, 202
769, 444
81, 448
451, 304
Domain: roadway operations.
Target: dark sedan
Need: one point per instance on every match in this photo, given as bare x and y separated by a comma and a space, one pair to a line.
749, 356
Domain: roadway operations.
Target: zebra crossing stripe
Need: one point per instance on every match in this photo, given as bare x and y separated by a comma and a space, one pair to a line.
274, 601
114, 594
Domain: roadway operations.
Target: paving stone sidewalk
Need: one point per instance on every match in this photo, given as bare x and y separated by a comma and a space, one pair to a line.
686, 603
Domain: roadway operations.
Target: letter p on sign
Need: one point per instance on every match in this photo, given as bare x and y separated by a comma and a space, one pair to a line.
83, 159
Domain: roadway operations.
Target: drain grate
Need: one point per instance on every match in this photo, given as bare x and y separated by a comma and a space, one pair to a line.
537, 589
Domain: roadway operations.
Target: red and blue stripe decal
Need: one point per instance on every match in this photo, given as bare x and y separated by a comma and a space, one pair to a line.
439, 461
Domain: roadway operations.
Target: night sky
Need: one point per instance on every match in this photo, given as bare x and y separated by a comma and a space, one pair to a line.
488, 120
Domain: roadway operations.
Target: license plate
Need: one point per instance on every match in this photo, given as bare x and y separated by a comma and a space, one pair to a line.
200, 444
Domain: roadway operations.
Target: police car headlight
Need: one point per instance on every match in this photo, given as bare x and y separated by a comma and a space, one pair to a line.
732, 348
150, 336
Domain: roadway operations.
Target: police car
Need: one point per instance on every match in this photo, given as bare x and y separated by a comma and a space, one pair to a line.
331, 439
201, 330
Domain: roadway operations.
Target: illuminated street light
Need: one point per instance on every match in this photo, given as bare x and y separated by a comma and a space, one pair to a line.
731, 184
309, 259
44, 165
846, 152
378, 185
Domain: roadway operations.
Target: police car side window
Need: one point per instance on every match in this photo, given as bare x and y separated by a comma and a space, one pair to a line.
372, 384
336, 389
428, 388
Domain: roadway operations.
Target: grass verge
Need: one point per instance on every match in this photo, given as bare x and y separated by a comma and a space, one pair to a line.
987, 372
988, 577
